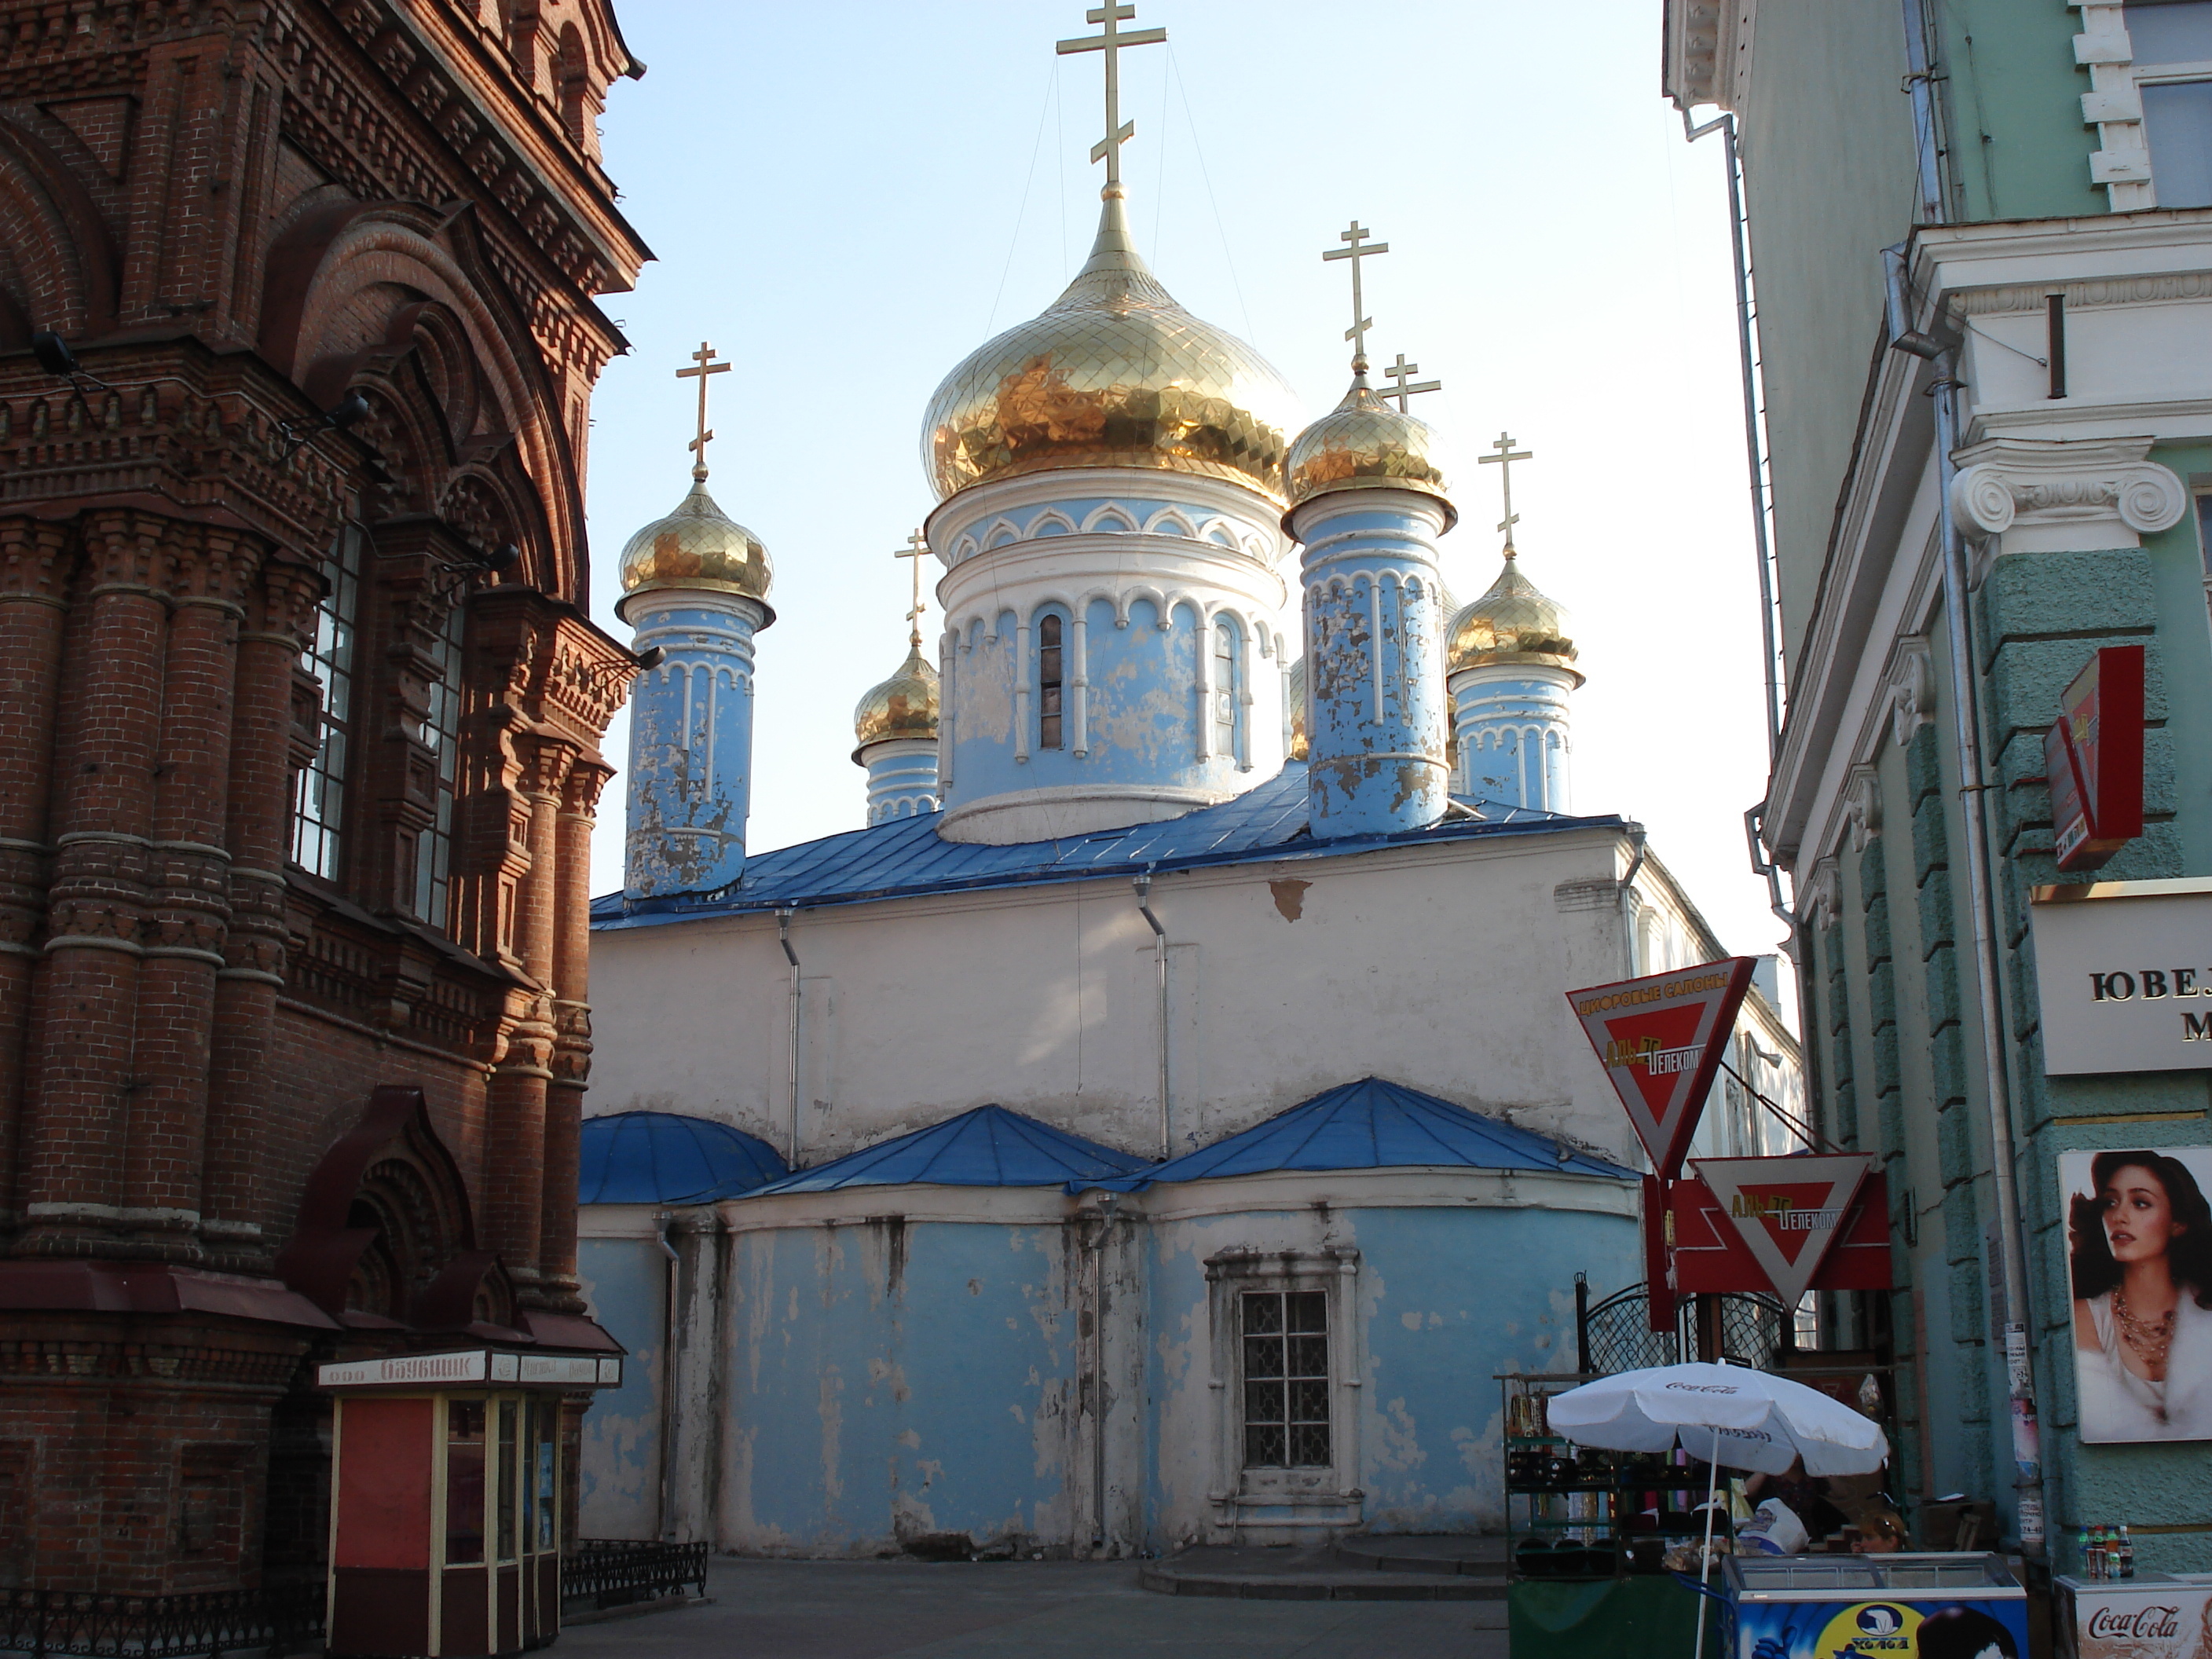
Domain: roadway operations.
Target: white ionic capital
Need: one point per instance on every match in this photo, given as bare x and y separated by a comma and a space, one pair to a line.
1822, 896
2064, 496
1911, 687
1863, 805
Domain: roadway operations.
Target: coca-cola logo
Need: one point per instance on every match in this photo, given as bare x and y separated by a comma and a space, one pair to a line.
2138, 1623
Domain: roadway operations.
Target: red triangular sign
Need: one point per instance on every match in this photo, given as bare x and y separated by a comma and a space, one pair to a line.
1660, 1040
1788, 1211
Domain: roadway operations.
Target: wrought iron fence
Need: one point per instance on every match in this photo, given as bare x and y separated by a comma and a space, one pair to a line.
1617, 1333
613, 1572
271, 1622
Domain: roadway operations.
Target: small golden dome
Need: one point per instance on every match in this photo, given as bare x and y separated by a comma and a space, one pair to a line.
1296, 693
698, 546
1364, 443
903, 706
1512, 622
1113, 373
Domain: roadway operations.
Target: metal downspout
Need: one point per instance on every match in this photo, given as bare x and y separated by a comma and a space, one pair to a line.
791, 1033
1144, 885
1981, 892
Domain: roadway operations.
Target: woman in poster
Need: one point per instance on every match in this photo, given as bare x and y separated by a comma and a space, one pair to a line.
2142, 1309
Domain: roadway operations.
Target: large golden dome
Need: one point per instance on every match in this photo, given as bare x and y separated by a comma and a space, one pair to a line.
1113, 373
1512, 623
697, 546
903, 706
1364, 443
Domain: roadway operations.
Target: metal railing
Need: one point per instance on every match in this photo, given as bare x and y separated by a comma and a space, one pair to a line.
613, 1572
1617, 1332
81, 1622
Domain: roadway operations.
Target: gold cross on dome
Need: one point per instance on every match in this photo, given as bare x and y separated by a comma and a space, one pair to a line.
1110, 39
704, 357
1356, 234
917, 548
1503, 460
1402, 372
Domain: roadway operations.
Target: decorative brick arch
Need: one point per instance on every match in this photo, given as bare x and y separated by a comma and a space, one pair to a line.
62, 247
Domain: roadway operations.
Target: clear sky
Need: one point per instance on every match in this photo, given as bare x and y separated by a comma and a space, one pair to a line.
846, 197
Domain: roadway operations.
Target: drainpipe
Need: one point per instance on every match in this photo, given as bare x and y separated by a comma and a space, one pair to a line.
1144, 885
1627, 929
1981, 896
790, 1031
672, 1395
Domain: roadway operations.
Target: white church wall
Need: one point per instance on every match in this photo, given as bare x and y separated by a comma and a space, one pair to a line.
1439, 966
623, 1273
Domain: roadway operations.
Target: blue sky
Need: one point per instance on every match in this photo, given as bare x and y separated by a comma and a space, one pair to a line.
847, 198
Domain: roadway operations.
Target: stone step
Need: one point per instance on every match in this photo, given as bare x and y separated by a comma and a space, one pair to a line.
1325, 1574
1438, 1552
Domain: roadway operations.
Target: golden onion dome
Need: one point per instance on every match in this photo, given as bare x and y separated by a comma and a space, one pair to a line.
1113, 373
1512, 622
1366, 443
698, 546
1295, 692
903, 706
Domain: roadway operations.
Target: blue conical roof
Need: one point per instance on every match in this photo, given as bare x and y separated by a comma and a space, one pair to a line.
664, 1157
988, 1146
1375, 1125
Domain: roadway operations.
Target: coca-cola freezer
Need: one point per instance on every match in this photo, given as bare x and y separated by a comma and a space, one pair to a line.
2153, 1615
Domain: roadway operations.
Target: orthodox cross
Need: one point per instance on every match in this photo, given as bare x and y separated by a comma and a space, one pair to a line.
1503, 460
1361, 323
1402, 372
1110, 39
704, 357
917, 550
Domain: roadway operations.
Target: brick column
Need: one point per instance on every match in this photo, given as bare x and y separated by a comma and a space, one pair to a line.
190, 903
268, 747
572, 1028
34, 563
85, 989
515, 1144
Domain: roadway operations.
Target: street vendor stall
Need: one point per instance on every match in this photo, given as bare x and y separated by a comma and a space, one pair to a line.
1856, 1606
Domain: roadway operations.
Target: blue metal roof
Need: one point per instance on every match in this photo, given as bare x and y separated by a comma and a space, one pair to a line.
906, 857
988, 1146
661, 1157
1371, 1125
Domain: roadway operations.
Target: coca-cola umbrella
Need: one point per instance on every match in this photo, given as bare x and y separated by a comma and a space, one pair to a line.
1720, 1414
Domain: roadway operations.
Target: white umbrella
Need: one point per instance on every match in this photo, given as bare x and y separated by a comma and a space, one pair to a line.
1720, 1414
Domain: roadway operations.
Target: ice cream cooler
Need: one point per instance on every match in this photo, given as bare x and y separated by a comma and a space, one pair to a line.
1857, 1606
2153, 1615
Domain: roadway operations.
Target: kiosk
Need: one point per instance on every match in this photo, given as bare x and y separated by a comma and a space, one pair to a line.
446, 1500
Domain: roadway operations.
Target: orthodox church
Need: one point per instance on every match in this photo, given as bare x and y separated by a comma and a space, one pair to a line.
1161, 1119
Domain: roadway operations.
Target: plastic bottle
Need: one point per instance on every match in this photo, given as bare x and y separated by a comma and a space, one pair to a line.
2108, 1554
2094, 1556
2127, 1553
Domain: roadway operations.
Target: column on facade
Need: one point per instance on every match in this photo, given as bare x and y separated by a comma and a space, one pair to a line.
34, 565
514, 1142
85, 992
187, 921
272, 739
572, 1027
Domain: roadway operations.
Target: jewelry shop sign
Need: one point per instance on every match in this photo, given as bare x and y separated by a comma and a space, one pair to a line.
2124, 970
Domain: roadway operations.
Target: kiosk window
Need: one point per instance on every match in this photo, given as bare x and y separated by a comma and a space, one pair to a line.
464, 1482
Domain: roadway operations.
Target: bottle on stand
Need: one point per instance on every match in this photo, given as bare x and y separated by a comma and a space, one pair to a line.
2125, 1548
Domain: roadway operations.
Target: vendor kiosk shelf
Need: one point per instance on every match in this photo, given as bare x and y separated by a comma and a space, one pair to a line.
1567, 1508
446, 1500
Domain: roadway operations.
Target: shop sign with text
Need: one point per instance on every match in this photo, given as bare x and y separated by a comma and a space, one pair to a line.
2123, 973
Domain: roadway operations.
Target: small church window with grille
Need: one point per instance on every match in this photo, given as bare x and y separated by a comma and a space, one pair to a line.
1286, 1342
1224, 690
318, 813
441, 734
1050, 681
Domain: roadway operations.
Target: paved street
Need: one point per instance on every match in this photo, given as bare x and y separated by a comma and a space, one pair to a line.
1034, 1609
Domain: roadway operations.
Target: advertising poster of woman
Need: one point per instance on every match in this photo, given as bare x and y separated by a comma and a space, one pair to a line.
2140, 1234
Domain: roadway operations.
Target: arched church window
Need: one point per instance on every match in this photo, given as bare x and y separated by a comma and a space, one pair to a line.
442, 735
1050, 681
318, 812
1224, 690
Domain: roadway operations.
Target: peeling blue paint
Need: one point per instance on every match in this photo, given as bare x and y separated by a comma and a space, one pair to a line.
690, 743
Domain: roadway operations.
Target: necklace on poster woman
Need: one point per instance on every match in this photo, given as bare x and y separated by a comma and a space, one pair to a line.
2148, 1339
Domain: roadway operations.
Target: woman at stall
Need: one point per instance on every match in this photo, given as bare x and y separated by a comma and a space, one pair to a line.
2143, 1307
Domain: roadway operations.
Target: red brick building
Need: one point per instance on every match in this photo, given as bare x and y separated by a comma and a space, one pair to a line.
298, 741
